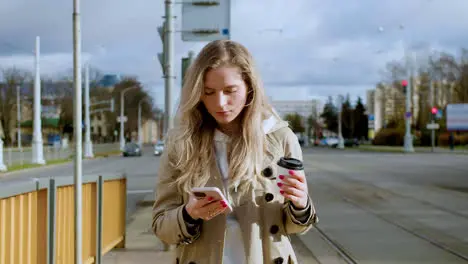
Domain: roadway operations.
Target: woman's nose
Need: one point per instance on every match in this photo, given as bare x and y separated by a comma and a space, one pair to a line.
222, 100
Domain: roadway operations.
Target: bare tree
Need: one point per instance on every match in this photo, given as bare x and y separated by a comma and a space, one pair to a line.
455, 74
423, 99
12, 78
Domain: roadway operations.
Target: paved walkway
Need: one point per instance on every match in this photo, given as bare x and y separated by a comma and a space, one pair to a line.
142, 246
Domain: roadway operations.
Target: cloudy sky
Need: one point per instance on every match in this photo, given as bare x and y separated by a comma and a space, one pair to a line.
303, 48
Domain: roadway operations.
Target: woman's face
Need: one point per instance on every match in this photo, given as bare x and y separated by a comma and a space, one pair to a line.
225, 94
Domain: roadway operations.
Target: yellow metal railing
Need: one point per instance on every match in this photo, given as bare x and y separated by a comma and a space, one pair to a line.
37, 219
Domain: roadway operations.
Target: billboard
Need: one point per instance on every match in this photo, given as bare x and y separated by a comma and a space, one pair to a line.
457, 117
206, 20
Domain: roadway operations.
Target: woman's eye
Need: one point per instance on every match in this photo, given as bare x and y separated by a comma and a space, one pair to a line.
231, 91
209, 92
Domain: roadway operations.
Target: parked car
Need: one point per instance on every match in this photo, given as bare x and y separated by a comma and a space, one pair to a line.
351, 142
158, 148
332, 142
131, 149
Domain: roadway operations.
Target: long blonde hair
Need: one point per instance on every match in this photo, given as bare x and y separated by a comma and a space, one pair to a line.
190, 143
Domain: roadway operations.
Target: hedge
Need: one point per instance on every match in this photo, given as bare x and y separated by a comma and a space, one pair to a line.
389, 137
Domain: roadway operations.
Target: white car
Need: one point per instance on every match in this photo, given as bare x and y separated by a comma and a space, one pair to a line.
158, 148
332, 142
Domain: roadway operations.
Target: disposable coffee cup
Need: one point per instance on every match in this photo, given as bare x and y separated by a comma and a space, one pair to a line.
286, 164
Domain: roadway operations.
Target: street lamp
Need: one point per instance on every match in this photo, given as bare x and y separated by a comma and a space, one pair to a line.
37, 147
3, 167
408, 139
121, 119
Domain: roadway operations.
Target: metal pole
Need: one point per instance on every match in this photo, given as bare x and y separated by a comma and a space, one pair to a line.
169, 61
432, 97
77, 122
139, 123
122, 139
18, 117
408, 145
88, 142
2, 164
340, 132
37, 148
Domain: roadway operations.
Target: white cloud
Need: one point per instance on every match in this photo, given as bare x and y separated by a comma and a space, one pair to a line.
324, 47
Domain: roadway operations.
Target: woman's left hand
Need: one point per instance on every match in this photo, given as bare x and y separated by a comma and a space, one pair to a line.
294, 188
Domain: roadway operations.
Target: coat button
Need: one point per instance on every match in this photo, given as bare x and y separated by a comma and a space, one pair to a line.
269, 197
278, 260
274, 229
267, 172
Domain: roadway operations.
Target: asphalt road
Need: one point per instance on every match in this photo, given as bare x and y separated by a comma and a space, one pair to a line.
388, 208
373, 207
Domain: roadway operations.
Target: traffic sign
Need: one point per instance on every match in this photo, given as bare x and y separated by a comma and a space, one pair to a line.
457, 117
206, 20
371, 117
408, 115
433, 126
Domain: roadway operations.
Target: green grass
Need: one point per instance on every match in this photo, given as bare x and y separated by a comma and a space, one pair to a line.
17, 166
372, 148
107, 154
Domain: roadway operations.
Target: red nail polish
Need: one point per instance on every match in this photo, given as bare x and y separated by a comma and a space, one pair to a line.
279, 184
281, 177
292, 172
210, 198
223, 203
281, 191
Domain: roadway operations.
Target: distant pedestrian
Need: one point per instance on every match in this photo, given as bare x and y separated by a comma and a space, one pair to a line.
228, 136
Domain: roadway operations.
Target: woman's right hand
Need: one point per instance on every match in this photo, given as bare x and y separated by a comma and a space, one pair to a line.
206, 208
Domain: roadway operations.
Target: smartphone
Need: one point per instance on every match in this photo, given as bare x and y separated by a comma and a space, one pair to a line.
215, 192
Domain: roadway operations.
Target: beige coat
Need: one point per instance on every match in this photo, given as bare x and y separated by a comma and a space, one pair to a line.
263, 215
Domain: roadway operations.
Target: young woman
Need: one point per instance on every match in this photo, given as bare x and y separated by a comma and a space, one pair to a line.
228, 136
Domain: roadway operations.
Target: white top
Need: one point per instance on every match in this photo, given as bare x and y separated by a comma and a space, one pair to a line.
234, 252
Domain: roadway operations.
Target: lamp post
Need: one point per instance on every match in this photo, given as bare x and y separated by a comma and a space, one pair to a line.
408, 139
3, 167
122, 93
408, 144
37, 147
18, 115
77, 130
340, 132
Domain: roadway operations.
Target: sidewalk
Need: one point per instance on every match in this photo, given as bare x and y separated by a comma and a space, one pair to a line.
142, 246
400, 149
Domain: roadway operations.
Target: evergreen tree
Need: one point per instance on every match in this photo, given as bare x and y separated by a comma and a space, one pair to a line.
330, 115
